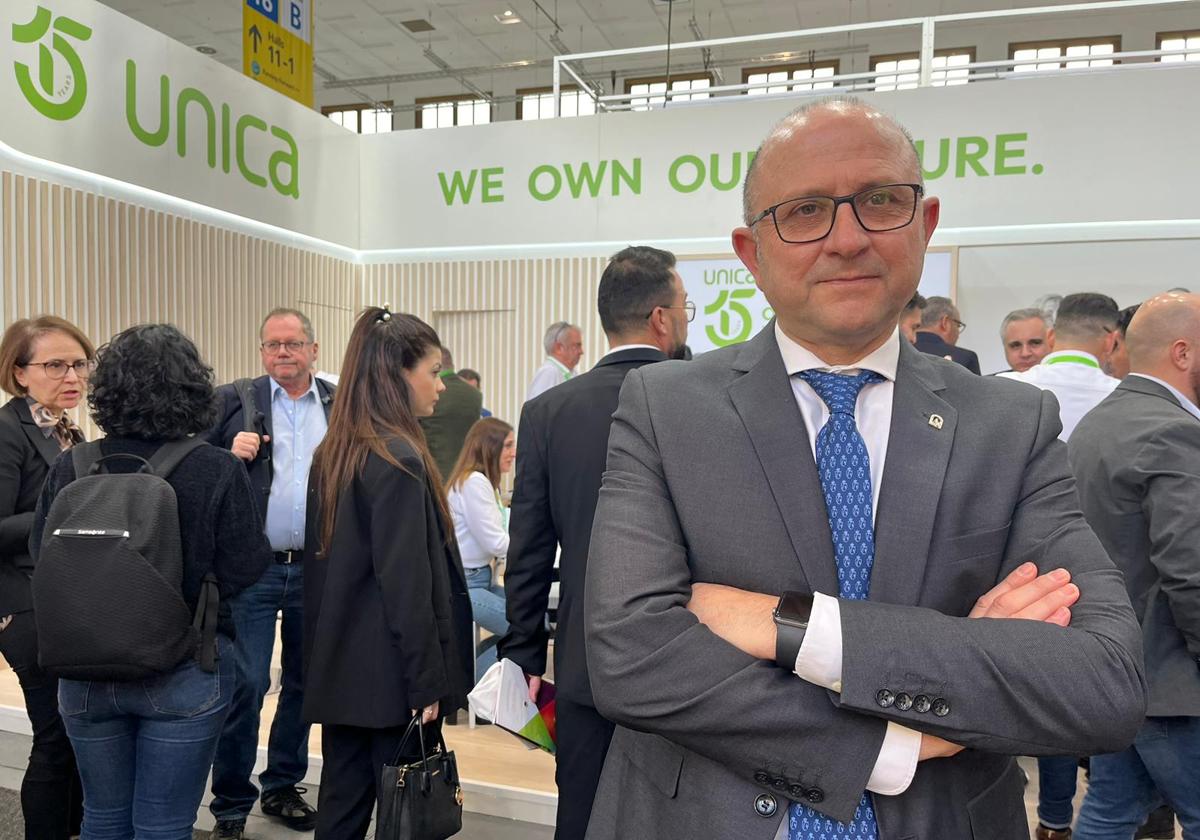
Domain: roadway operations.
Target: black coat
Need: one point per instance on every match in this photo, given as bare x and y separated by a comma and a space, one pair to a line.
25, 457
933, 344
230, 422
387, 620
561, 455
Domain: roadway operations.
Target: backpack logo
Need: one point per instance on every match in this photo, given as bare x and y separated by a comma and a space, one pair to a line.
56, 97
727, 304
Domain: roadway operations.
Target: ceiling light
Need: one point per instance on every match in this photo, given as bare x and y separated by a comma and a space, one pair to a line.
205, 49
508, 16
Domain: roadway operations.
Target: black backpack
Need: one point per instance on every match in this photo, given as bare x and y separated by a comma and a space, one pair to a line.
107, 587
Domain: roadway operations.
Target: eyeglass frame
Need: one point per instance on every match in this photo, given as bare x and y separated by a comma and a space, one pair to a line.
300, 345
89, 367
688, 306
838, 201
961, 326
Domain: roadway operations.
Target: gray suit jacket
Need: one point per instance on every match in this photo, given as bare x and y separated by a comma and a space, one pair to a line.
1136, 457
711, 478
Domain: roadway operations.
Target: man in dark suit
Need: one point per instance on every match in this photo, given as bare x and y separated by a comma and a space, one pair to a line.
560, 458
291, 408
941, 325
456, 412
1136, 457
797, 540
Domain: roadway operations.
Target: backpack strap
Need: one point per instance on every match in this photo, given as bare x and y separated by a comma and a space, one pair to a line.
252, 418
205, 622
168, 456
83, 456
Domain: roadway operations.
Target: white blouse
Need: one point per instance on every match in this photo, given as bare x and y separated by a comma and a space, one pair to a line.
480, 521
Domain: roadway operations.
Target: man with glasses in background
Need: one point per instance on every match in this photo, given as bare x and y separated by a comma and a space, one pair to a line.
941, 325
289, 410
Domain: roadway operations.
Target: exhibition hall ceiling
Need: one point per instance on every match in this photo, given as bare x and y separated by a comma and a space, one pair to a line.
368, 39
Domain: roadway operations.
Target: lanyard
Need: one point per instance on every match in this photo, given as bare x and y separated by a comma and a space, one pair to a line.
1079, 360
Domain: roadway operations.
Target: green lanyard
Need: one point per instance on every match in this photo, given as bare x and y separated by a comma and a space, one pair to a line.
503, 511
1079, 360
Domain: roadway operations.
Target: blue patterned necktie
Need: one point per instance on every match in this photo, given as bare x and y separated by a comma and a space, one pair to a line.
845, 470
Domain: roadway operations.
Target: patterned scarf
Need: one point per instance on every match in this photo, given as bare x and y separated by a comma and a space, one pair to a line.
62, 428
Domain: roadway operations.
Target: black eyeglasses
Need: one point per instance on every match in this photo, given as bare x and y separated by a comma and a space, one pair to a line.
688, 306
57, 368
961, 326
292, 346
810, 218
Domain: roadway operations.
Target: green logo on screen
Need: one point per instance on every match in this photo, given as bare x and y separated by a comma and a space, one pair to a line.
59, 97
734, 320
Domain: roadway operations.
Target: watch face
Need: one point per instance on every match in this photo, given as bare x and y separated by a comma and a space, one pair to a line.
794, 608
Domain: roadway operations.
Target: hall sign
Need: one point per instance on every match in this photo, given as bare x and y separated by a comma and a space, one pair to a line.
277, 40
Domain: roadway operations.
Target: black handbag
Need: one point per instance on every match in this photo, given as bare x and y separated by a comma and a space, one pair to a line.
422, 800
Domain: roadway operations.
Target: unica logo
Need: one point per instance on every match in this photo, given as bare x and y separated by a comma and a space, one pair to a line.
229, 139
729, 307
62, 99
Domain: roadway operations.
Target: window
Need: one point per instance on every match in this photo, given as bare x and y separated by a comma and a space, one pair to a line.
365, 119
538, 103
791, 77
1180, 41
903, 71
1074, 53
445, 111
651, 91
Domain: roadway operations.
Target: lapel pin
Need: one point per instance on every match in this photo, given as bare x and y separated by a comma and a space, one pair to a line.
936, 421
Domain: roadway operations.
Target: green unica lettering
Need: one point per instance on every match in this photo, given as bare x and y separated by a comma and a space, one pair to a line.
43, 94
289, 159
150, 138
244, 123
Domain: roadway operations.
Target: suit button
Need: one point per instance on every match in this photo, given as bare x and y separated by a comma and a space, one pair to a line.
764, 805
922, 703
762, 778
797, 791
940, 707
885, 698
815, 795
903, 702
779, 784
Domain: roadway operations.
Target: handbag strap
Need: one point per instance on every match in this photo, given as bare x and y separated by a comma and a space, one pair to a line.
415, 723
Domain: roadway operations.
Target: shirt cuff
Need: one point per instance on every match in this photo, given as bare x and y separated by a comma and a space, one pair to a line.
897, 761
820, 658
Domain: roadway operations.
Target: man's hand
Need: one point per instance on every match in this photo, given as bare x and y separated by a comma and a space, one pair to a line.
934, 747
535, 685
245, 445
1025, 594
744, 619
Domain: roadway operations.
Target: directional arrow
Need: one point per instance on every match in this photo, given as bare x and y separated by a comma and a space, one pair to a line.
255, 36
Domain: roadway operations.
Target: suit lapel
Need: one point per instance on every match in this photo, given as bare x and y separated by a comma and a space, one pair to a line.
917, 456
764, 400
47, 447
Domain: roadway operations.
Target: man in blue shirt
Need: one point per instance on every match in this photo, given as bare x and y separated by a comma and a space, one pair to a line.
290, 417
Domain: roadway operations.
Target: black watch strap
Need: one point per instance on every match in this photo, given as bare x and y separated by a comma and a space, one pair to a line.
791, 623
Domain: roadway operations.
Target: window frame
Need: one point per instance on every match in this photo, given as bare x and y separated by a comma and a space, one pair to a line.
789, 68
539, 91
677, 77
1064, 43
455, 98
360, 107
1186, 35
905, 56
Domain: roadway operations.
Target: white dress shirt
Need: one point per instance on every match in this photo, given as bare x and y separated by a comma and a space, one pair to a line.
820, 658
1188, 406
551, 373
480, 521
1075, 379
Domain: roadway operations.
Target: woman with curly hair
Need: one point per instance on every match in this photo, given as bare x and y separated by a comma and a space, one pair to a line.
387, 621
144, 747
46, 362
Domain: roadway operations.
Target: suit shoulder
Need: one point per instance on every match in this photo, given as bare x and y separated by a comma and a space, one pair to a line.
404, 452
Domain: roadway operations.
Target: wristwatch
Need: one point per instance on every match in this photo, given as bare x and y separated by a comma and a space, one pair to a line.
791, 621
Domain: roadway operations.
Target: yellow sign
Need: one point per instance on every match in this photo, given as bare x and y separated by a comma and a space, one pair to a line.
277, 46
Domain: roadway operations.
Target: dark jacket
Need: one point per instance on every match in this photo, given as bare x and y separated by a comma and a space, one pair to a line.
25, 457
458, 409
387, 620
219, 529
933, 344
561, 455
230, 422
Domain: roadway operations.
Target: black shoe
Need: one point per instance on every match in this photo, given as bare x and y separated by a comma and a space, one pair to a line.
1160, 825
287, 804
228, 830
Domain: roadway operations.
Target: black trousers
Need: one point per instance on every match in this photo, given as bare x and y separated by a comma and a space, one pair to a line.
353, 764
51, 796
583, 738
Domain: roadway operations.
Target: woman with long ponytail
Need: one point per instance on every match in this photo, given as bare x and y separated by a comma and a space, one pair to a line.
387, 619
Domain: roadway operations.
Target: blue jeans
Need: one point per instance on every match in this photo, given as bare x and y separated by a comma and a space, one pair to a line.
1163, 764
487, 607
144, 748
281, 588
1057, 776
